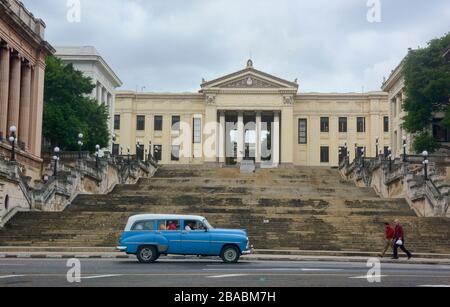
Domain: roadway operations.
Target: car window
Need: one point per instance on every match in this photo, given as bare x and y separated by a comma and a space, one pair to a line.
170, 225
192, 225
144, 226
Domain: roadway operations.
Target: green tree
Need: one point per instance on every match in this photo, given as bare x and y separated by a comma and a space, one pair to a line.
68, 111
427, 87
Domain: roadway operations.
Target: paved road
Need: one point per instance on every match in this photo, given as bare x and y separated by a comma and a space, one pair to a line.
205, 273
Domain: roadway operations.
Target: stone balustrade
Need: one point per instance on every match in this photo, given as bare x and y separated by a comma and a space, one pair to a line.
399, 179
58, 192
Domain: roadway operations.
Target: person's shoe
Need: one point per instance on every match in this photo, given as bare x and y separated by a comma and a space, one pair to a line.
409, 256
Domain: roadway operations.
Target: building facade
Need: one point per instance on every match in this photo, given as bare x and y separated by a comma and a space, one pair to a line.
23, 51
251, 115
89, 61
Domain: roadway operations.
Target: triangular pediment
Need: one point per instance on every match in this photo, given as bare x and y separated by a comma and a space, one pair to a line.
249, 78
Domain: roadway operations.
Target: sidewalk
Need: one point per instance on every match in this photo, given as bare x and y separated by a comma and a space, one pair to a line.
260, 255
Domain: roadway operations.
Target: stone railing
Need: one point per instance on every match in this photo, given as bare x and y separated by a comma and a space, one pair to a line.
83, 177
398, 179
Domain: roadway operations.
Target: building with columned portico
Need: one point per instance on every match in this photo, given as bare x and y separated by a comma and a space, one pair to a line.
251, 115
23, 51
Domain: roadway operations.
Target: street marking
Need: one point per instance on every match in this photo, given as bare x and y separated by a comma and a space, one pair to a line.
101, 276
278, 269
11, 276
368, 276
228, 275
434, 286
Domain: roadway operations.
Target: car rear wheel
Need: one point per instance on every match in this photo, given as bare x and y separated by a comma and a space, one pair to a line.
230, 254
147, 254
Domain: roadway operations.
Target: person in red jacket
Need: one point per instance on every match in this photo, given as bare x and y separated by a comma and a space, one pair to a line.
399, 240
388, 237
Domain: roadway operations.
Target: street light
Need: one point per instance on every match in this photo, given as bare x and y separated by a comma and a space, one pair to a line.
362, 156
149, 150
377, 144
97, 149
390, 157
113, 143
128, 150
80, 144
138, 150
56, 152
404, 148
425, 164
12, 139
356, 151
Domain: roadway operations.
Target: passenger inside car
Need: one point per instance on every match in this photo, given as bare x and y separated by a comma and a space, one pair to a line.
173, 225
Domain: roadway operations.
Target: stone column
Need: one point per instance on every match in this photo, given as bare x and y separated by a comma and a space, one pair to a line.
240, 137
36, 110
25, 102
276, 139
258, 129
4, 89
14, 91
222, 137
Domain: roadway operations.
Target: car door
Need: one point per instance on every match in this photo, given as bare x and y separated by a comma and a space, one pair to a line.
170, 237
196, 241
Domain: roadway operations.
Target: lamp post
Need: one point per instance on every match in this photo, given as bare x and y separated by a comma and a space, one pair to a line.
56, 152
377, 144
356, 151
425, 164
80, 144
12, 139
113, 143
121, 150
362, 156
390, 157
149, 150
128, 149
138, 150
404, 148
97, 150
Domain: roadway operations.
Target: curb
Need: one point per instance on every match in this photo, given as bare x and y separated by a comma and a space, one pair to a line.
255, 257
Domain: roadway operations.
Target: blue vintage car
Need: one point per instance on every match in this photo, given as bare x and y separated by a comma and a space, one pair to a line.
150, 235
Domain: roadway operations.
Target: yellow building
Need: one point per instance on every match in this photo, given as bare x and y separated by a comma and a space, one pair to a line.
251, 115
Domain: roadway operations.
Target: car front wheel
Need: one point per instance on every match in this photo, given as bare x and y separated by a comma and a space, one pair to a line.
230, 254
147, 254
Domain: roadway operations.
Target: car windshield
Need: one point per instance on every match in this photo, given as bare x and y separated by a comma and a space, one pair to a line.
207, 225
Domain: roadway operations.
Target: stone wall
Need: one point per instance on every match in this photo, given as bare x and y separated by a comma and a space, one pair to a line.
19, 193
398, 179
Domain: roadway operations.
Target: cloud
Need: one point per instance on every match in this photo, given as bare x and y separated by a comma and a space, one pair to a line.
169, 45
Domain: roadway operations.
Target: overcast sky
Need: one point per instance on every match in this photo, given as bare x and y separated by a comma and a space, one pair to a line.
170, 45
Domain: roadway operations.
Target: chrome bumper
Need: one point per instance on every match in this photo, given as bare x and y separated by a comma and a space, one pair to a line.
121, 248
249, 250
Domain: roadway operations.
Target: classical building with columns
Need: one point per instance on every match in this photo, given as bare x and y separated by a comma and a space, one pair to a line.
89, 61
23, 51
251, 115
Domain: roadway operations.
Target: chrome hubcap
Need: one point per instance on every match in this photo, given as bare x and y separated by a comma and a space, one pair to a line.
230, 254
146, 254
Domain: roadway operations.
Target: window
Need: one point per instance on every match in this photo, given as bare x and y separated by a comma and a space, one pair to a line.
361, 124
144, 226
324, 124
343, 124
194, 225
116, 122
115, 149
302, 131
158, 123
157, 152
324, 154
175, 156
175, 123
197, 133
140, 122
169, 225
386, 124
386, 151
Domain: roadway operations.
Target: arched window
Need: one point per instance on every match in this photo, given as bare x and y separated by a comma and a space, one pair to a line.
6, 202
